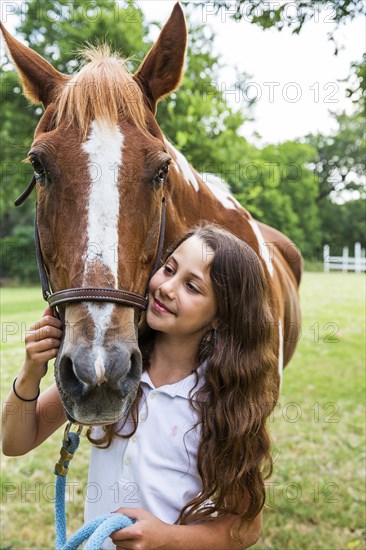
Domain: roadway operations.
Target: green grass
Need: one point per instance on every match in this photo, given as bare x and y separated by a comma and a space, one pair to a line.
316, 492
315, 497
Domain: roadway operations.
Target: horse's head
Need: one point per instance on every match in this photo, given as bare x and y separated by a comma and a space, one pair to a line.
100, 163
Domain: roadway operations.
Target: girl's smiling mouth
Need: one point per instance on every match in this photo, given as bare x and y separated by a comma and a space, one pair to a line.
158, 306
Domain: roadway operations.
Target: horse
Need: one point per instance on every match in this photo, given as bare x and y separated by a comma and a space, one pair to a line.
104, 175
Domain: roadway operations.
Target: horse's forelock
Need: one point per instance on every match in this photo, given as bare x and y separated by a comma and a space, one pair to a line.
102, 90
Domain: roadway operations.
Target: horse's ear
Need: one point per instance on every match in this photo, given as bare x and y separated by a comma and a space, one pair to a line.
40, 80
162, 69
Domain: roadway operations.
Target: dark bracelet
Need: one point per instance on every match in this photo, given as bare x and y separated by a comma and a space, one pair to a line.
22, 398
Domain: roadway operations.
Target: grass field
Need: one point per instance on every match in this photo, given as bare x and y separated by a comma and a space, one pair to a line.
315, 498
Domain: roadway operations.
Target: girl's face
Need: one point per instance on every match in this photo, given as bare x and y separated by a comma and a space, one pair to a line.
181, 296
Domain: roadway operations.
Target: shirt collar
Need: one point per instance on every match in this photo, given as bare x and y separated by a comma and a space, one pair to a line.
181, 388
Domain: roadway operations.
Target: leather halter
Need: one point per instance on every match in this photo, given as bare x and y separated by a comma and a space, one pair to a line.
93, 294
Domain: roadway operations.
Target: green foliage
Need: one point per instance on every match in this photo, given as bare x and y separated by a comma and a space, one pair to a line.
18, 121
340, 167
357, 84
59, 30
18, 261
340, 162
343, 224
282, 192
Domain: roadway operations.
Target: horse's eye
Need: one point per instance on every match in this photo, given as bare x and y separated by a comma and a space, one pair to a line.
40, 172
38, 168
162, 174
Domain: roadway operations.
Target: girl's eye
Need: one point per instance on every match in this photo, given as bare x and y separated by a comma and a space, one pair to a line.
192, 288
168, 270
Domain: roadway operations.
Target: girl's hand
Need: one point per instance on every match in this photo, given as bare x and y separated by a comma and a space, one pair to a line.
41, 344
148, 533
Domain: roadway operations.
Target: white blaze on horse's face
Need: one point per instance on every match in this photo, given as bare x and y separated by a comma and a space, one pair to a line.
104, 148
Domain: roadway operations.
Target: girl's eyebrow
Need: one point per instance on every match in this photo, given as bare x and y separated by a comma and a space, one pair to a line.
194, 275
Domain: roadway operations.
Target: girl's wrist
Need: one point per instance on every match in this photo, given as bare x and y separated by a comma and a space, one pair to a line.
32, 372
26, 386
24, 397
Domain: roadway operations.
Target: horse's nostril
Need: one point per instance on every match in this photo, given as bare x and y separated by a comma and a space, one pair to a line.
70, 381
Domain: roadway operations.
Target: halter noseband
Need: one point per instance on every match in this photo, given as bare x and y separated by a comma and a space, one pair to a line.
94, 294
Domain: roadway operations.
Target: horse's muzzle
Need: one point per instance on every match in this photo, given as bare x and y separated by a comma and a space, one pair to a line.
97, 386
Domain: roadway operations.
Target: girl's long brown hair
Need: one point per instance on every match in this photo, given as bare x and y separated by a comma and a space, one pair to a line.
240, 386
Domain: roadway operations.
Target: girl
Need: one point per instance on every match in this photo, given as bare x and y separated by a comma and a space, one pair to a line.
188, 462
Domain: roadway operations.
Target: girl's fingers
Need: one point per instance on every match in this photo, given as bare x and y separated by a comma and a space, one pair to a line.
47, 320
43, 333
43, 340
45, 356
42, 345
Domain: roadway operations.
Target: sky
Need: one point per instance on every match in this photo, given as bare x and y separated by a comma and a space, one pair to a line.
294, 78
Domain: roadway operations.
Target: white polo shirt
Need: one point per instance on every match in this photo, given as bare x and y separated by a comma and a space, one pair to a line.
154, 469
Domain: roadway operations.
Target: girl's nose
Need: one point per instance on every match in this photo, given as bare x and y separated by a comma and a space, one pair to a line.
168, 289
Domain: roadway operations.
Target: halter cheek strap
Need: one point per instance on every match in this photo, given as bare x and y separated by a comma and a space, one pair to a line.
26, 192
94, 294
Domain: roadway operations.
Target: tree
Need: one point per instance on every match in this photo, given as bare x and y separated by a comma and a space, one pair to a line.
283, 190
286, 13
340, 167
343, 224
357, 84
340, 162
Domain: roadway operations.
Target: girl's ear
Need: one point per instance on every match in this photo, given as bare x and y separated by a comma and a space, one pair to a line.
215, 323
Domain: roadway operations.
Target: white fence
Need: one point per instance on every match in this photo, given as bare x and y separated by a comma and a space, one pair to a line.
345, 262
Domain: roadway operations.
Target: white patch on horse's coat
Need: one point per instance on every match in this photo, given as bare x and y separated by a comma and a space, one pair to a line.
280, 351
217, 182
184, 167
221, 190
263, 248
104, 148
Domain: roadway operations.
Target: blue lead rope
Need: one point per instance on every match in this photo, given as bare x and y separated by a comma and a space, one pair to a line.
98, 529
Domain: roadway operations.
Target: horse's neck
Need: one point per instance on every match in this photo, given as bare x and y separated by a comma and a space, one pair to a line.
195, 197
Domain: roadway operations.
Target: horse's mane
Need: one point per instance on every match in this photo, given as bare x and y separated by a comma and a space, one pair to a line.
102, 90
